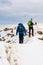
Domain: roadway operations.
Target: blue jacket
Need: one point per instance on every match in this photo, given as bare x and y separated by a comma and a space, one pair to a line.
18, 28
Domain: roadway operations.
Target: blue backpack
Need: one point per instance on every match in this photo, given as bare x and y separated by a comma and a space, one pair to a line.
20, 29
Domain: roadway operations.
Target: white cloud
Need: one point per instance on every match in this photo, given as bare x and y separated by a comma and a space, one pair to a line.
21, 6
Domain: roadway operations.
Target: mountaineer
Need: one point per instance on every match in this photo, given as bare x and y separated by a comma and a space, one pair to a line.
30, 25
21, 30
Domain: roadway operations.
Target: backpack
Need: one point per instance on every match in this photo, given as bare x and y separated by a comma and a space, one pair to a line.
20, 29
29, 23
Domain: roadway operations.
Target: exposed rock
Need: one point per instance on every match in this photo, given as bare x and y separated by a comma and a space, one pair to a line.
40, 38
10, 34
12, 31
40, 32
6, 29
0, 39
3, 39
8, 41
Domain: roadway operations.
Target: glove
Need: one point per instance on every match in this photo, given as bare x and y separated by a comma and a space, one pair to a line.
35, 23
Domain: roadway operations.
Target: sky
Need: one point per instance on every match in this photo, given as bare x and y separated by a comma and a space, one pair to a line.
18, 10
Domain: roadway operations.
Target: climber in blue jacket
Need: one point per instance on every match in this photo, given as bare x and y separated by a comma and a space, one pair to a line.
21, 30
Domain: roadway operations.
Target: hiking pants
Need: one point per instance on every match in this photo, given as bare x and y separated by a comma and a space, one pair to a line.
21, 38
31, 28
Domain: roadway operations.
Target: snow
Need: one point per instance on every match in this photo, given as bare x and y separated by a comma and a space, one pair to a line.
31, 53
28, 53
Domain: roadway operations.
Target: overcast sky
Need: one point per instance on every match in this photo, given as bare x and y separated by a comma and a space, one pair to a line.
21, 7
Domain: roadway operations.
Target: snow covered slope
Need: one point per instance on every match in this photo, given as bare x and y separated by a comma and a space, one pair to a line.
13, 53
31, 53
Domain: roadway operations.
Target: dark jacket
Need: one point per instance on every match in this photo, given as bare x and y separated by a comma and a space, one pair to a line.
20, 29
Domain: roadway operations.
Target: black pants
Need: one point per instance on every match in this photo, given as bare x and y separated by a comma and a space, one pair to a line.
21, 37
31, 28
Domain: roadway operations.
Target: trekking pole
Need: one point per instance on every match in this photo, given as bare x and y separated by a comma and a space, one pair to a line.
37, 29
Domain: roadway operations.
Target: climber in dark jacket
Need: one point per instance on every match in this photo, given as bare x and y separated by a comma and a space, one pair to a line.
30, 25
21, 30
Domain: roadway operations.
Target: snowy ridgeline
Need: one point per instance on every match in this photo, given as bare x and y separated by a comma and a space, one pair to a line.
28, 53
